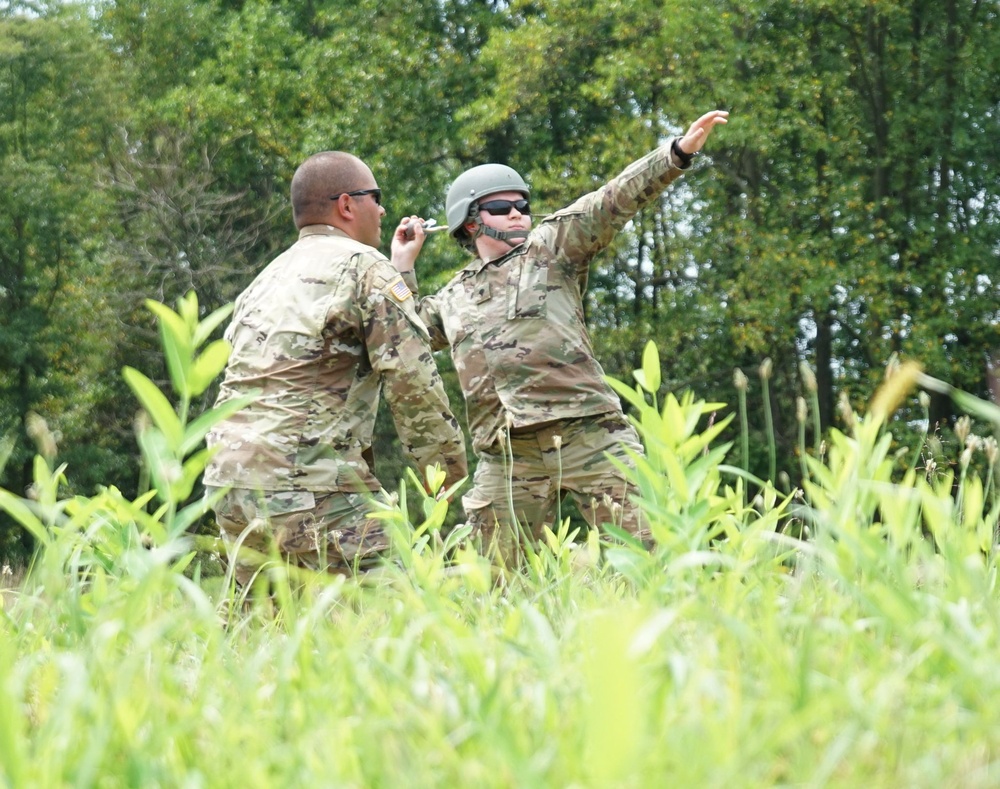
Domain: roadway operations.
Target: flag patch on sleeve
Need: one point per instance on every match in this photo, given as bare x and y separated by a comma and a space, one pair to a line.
399, 291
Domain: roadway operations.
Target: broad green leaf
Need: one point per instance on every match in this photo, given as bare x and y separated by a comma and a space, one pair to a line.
196, 430
675, 419
182, 564
156, 405
19, 510
435, 477
187, 308
162, 462
982, 409
651, 367
632, 397
210, 323
698, 441
192, 469
972, 502
186, 517
207, 367
7, 444
176, 341
677, 477
436, 517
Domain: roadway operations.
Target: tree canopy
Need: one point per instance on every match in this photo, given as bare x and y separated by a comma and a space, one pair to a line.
847, 213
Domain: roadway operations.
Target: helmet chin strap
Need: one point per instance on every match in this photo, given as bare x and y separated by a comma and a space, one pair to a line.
510, 237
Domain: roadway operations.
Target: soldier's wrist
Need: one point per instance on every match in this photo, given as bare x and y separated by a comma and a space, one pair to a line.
683, 157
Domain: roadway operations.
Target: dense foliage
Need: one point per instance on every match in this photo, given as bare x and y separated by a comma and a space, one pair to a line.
849, 210
733, 653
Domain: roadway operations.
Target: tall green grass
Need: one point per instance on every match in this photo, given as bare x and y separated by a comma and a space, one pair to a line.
841, 635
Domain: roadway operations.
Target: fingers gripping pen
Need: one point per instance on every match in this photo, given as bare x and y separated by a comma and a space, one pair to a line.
430, 226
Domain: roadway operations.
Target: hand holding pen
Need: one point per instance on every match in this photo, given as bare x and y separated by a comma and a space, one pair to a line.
429, 226
408, 239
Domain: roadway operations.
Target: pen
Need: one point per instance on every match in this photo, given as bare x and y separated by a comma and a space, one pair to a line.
430, 226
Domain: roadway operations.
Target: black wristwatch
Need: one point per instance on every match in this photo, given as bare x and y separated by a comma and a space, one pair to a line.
684, 158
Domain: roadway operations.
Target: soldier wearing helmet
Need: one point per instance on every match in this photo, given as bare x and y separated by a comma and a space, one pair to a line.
540, 414
468, 194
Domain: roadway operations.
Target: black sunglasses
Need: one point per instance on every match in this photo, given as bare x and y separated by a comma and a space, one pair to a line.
376, 193
502, 207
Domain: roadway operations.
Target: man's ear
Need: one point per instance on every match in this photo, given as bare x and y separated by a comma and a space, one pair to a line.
343, 205
470, 227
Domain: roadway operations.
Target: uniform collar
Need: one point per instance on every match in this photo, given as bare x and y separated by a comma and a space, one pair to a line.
321, 230
479, 264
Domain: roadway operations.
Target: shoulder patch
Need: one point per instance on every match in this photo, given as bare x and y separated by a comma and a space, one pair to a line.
399, 290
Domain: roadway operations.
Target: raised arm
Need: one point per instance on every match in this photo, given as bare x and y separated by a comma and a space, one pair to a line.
407, 240
398, 348
586, 226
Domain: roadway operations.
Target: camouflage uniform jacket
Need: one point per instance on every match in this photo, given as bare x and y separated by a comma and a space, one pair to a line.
318, 333
515, 325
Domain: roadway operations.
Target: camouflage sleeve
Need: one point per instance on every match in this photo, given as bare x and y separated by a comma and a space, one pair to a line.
398, 349
429, 312
586, 226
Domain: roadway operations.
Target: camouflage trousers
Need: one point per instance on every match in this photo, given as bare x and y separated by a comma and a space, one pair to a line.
519, 482
316, 531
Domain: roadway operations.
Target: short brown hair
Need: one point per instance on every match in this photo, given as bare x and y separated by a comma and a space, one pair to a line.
318, 178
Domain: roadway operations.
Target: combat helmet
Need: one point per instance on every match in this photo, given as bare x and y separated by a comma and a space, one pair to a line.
471, 187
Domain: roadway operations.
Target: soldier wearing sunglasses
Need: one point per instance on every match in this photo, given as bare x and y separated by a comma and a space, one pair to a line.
540, 414
321, 331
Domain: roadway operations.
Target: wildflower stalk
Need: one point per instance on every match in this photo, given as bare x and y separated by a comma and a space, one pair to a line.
990, 449
557, 443
809, 382
765, 375
741, 383
966, 443
925, 404
800, 416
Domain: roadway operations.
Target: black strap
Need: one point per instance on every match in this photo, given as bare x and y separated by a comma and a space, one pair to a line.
684, 158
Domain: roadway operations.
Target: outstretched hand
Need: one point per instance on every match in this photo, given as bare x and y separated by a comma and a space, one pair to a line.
698, 131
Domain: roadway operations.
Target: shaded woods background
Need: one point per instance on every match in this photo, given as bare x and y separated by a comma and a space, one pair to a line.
849, 210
